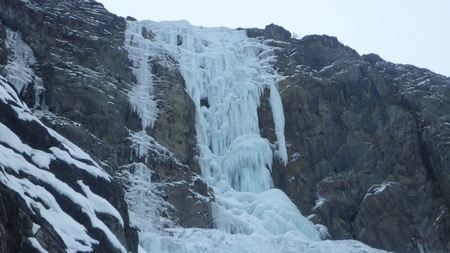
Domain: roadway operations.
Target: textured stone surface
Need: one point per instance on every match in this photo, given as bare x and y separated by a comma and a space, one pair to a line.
16, 224
175, 130
80, 60
17, 217
87, 76
3, 54
369, 137
271, 31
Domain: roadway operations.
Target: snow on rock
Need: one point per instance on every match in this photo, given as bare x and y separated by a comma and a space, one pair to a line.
37, 245
382, 187
71, 153
28, 171
147, 210
40, 158
377, 189
99, 204
319, 203
144, 145
18, 70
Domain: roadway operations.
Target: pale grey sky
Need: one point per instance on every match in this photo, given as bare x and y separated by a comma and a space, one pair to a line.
401, 31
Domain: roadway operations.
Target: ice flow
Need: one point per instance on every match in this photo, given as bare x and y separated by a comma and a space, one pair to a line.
225, 74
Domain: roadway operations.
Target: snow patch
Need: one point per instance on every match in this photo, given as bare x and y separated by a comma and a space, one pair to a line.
37, 245
35, 228
143, 145
39, 158
99, 204
319, 203
379, 189
147, 210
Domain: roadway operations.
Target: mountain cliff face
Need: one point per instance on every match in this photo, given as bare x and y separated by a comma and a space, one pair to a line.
358, 144
368, 144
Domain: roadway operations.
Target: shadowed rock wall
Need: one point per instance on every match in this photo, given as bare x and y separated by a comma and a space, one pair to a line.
368, 144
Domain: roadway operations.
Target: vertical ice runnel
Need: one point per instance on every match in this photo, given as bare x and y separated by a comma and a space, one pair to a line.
225, 73
18, 70
141, 95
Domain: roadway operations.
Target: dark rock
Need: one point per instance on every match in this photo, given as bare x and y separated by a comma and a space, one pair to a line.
88, 69
271, 31
277, 32
129, 18
15, 223
92, 71
3, 53
17, 220
372, 58
148, 34
191, 200
354, 125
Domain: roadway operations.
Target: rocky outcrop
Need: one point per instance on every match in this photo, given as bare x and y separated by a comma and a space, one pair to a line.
53, 194
16, 224
175, 130
79, 60
87, 76
368, 145
271, 31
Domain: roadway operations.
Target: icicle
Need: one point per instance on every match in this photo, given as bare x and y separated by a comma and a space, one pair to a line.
278, 119
141, 95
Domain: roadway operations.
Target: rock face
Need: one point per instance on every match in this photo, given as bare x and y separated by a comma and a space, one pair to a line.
53, 194
368, 143
78, 83
368, 140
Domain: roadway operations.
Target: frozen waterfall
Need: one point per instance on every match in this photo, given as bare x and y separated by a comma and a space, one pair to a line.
226, 73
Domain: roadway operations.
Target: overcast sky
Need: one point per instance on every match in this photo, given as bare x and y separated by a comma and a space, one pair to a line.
401, 31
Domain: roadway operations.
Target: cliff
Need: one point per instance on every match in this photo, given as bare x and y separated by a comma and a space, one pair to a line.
104, 127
